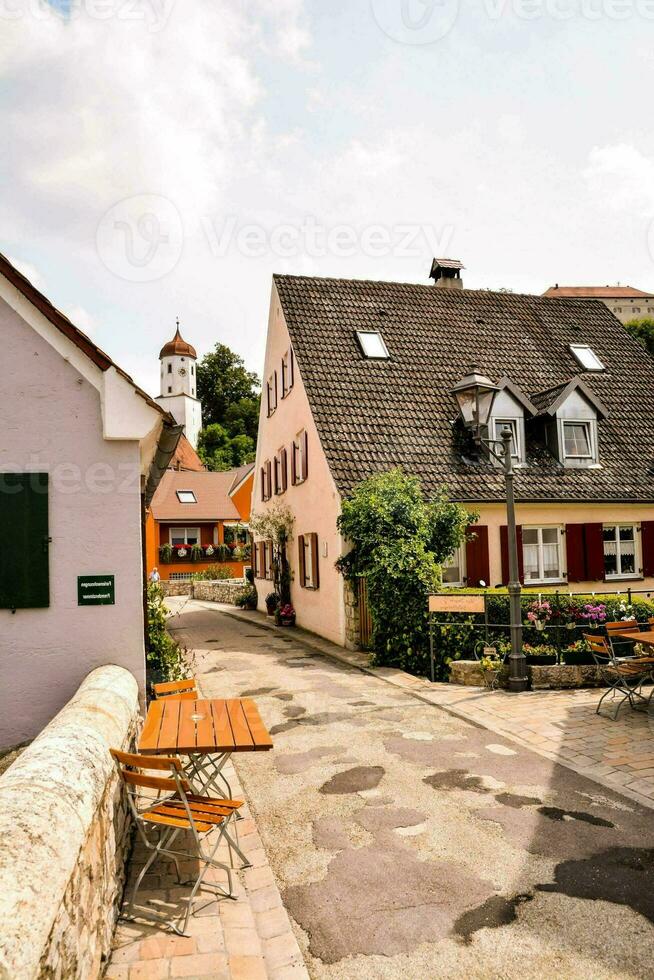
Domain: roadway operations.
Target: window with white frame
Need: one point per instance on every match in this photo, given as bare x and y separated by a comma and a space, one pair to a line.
372, 345
453, 569
578, 440
186, 497
586, 357
541, 554
620, 550
516, 442
184, 535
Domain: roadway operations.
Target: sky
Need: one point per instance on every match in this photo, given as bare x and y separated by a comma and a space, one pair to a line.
163, 159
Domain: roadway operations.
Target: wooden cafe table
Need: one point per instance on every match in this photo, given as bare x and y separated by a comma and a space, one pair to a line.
207, 731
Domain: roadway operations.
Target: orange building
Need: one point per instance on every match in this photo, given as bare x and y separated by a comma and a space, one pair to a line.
198, 519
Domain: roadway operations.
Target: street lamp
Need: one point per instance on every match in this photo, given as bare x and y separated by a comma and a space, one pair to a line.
475, 395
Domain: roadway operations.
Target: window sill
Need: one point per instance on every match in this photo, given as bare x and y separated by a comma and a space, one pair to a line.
540, 583
624, 578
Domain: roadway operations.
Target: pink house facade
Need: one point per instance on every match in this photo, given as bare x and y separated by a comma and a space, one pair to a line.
358, 378
82, 449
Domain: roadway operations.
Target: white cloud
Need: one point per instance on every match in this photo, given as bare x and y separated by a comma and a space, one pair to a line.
622, 177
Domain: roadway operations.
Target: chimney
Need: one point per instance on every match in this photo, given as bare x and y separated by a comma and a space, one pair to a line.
446, 273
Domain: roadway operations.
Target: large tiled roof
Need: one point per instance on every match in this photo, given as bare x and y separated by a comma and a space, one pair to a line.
211, 492
374, 414
597, 292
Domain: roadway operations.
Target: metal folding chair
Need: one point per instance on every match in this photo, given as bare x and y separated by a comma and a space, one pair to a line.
624, 677
203, 769
166, 803
622, 649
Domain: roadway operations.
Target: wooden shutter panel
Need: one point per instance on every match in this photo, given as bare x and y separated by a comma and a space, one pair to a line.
647, 545
305, 457
302, 563
504, 551
594, 538
293, 463
24, 567
255, 555
263, 483
477, 559
283, 462
575, 552
315, 570
277, 481
268, 480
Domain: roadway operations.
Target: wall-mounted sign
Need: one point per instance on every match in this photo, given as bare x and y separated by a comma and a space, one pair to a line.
96, 590
456, 603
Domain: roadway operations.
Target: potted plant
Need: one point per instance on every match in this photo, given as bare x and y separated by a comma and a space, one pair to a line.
209, 550
542, 655
539, 614
181, 551
272, 602
197, 553
248, 598
285, 615
166, 554
593, 614
491, 665
577, 654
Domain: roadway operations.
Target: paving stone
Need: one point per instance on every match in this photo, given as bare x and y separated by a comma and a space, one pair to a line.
150, 970
247, 968
200, 964
242, 942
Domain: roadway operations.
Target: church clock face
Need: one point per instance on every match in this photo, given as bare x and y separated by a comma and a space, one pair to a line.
182, 372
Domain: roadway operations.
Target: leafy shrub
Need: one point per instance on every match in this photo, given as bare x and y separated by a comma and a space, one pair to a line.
213, 573
163, 656
399, 540
247, 599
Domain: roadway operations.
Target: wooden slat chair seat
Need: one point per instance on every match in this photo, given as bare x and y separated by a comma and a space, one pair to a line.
166, 801
186, 690
624, 677
621, 647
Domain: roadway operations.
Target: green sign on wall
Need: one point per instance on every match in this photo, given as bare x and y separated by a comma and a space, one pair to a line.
95, 590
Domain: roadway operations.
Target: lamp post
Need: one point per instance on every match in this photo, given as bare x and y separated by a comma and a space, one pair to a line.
475, 395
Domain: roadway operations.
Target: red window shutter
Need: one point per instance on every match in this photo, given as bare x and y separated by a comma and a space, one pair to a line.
647, 545
575, 552
594, 538
504, 552
305, 456
477, 560
283, 462
293, 463
315, 573
302, 563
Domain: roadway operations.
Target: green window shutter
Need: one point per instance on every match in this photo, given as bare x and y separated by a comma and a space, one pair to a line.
24, 564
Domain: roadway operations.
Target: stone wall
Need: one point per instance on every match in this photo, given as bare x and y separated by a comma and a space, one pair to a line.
225, 590
64, 836
175, 587
555, 677
352, 627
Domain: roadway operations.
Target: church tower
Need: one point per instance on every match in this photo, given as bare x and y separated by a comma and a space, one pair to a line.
179, 386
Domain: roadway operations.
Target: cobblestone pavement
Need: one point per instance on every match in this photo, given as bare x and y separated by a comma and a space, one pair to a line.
406, 841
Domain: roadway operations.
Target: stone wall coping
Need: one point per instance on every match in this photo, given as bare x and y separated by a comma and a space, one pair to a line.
48, 801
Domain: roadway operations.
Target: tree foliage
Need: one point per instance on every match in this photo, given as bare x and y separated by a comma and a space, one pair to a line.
642, 328
164, 658
230, 409
399, 541
276, 524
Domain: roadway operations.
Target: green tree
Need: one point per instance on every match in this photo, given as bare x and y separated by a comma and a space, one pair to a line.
399, 541
642, 328
223, 382
219, 450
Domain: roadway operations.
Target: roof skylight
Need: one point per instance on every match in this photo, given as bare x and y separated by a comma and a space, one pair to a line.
372, 344
587, 357
186, 497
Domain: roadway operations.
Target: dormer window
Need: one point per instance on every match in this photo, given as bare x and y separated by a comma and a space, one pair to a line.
577, 440
512, 425
372, 345
586, 357
509, 410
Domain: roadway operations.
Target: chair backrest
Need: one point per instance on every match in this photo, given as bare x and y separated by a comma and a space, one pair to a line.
131, 766
599, 648
623, 626
186, 690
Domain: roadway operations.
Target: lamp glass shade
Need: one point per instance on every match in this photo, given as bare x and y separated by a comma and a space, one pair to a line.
475, 395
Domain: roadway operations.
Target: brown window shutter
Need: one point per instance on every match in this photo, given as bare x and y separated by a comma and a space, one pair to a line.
293, 463
268, 480
254, 561
283, 462
305, 457
263, 483
276, 391
315, 571
477, 559
594, 538
291, 368
647, 545
504, 552
575, 552
302, 563
276, 475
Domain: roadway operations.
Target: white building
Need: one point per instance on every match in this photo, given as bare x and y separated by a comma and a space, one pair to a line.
178, 382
